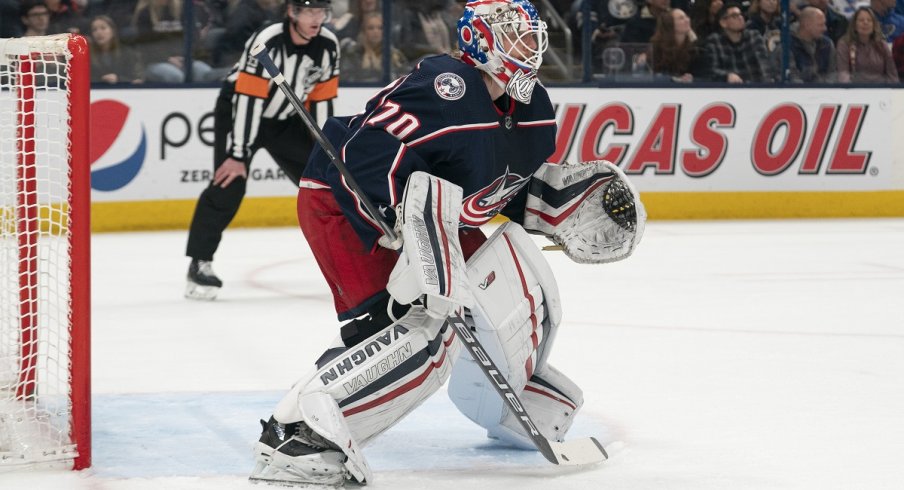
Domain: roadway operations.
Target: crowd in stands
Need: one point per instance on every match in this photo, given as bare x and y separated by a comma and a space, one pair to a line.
738, 42
134, 41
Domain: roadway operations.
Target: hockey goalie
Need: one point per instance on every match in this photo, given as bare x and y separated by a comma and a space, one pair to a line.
440, 152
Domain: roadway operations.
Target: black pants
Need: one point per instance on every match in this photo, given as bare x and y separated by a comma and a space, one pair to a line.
288, 142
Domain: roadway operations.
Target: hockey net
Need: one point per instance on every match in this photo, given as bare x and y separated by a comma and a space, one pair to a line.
44, 256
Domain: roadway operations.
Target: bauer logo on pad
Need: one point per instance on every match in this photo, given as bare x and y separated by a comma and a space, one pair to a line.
488, 280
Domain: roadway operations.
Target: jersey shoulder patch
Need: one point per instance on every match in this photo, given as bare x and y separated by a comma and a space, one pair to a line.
449, 86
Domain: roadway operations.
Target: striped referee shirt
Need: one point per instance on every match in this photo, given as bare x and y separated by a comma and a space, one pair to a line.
312, 70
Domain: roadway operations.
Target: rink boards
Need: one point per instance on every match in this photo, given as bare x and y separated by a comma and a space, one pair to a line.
695, 153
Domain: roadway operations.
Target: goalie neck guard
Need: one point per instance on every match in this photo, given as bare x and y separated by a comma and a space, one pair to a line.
506, 39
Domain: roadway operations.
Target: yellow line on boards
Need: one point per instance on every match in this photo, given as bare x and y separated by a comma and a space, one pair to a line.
280, 211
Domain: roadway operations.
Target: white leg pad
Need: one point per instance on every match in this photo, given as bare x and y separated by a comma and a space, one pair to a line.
551, 399
366, 389
321, 413
516, 316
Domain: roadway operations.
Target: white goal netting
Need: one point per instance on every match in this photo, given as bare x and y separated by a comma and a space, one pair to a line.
35, 326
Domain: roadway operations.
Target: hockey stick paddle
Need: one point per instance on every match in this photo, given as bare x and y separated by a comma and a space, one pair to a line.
574, 452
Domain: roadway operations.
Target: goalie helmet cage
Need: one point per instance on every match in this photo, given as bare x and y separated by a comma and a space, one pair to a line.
45, 406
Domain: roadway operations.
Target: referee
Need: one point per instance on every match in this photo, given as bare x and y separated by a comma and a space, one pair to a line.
252, 113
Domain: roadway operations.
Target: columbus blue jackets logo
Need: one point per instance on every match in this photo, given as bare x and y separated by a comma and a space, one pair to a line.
480, 207
449, 86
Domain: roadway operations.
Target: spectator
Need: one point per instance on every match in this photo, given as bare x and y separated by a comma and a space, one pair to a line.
427, 31
674, 50
111, 62
604, 14
844, 7
349, 25
65, 16
641, 28
898, 54
812, 52
35, 17
159, 32
737, 54
244, 19
891, 23
121, 11
47, 67
363, 61
10, 24
706, 18
219, 10
607, 22
863, 55
765, 16
836, 24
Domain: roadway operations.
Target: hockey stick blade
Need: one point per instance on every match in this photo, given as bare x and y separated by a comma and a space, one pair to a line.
569, 453
578, 452
572, 453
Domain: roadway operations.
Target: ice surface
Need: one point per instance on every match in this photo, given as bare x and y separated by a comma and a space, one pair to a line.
734, 354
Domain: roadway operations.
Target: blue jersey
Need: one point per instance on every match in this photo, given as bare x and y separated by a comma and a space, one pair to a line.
438, 119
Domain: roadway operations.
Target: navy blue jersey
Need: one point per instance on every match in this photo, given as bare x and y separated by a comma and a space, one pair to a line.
438, 119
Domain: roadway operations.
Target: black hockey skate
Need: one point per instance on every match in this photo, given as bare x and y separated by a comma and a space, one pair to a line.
293, 454
203, 283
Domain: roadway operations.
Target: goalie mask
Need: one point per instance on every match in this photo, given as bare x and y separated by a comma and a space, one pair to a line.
506, 39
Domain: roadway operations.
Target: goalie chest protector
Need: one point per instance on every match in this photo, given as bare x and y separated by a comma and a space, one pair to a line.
439, 119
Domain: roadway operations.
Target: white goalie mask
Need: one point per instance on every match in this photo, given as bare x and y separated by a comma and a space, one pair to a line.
506, 39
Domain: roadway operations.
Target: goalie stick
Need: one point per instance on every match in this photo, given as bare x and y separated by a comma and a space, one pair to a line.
574, 452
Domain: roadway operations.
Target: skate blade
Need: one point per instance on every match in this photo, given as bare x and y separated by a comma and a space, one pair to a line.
275, 482
199, 292
265, 472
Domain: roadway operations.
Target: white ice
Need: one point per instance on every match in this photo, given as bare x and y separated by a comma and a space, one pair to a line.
734, 354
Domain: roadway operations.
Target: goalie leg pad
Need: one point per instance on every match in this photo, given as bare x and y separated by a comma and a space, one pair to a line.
366, 389
516, 314
552, 400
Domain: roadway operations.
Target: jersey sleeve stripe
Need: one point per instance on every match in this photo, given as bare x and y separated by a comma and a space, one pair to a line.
543, 122
312, 184
252, 85
393, 194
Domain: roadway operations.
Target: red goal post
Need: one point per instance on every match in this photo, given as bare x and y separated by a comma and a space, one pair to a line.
45, 387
